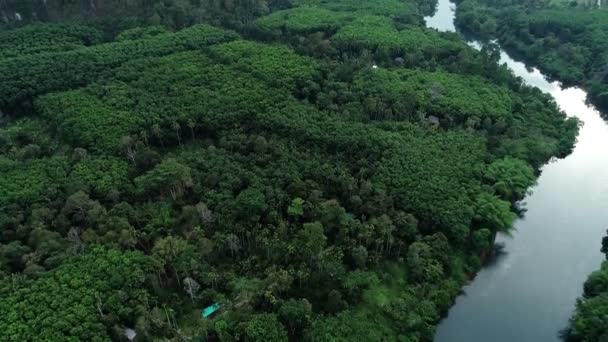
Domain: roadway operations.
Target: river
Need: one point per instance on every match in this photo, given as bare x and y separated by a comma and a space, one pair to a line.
528, 293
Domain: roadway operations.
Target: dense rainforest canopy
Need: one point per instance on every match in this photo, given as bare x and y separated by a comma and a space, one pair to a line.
323, 170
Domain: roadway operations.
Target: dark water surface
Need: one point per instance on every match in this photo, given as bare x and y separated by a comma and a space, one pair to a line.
529, 292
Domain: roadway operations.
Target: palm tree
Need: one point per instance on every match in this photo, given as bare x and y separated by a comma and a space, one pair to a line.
176, 127
158, 133
144, 137
191, 125
126, 143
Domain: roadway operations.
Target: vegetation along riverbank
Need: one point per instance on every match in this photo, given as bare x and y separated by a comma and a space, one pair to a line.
565, 39
590, 319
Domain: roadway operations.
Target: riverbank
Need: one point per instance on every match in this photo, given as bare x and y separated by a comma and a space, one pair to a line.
529, 292
565, 41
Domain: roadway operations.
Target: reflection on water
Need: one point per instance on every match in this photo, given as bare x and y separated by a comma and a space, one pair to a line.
528, 292
443, 19
498, 255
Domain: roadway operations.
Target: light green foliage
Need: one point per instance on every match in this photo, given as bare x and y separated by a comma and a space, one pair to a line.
457, 99
369, 31
493, 212
86, 122
510, 177
312, 238
169, 177
413, 38
141, 33
304, 19
27, 76
362, 7
102, 175
375, 32
432, 187
296, 208
372, 18
31, 181
357, 282
349, 326
66, 304
277, 65
265, 327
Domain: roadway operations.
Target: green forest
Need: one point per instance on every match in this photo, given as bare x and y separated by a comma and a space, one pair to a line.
567, 40
321, 170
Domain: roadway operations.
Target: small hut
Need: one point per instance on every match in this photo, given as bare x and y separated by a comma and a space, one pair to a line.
433, 120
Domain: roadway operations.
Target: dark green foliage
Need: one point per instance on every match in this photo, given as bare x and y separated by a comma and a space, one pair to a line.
26, 138
43, 38
111, 15
296, 315
481, 240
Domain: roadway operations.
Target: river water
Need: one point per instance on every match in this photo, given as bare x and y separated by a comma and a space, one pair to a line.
528, 293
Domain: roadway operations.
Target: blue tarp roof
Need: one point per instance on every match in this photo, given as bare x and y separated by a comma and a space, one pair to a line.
208, 311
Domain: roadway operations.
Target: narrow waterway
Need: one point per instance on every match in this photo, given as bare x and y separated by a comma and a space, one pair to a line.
529, 292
